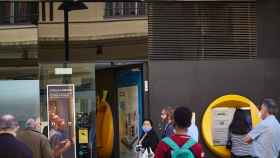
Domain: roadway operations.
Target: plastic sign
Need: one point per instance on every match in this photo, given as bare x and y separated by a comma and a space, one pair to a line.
61, 115
83, 136
63, 71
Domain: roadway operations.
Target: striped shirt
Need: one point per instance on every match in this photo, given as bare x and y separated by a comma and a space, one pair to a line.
239, 147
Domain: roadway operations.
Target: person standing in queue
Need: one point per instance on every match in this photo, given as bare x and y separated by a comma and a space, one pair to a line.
149, 139
36, 141
238, 130
10, 147
265, 136
167, 120
180, 145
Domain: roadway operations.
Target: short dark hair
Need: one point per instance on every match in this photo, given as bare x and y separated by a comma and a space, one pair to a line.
182, 117
271, 105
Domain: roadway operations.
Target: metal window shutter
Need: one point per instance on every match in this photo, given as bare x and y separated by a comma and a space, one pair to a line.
202, 30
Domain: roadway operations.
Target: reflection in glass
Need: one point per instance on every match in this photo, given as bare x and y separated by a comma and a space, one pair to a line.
20, 98
83, 77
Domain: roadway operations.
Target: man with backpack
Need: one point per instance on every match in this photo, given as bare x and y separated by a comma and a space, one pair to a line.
180, 145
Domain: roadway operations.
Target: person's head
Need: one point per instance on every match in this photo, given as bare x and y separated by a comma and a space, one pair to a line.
167, 114
182, 117
8, 124
240, 124
268, 107
52, 117
33, 123
147, 125
60, 123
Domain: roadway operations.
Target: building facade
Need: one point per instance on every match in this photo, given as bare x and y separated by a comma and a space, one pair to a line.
105, 37
201, 50
196, 52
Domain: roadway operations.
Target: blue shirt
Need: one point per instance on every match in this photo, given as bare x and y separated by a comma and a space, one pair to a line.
266, 137
55, 138
193, 132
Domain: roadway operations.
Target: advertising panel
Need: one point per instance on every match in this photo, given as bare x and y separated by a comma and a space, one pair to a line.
128, 117
61, 115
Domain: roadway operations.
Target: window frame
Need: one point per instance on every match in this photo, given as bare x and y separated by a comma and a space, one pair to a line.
123, 10
21, 13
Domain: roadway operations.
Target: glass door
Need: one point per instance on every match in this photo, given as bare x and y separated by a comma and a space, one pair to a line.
130, 105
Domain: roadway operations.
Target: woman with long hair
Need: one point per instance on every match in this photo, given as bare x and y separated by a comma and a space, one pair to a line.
167, 120
238, 130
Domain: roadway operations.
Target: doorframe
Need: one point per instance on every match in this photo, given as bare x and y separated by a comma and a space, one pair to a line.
143, 65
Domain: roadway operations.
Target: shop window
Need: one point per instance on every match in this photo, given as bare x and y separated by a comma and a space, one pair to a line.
18, 13
20, 98
125, 9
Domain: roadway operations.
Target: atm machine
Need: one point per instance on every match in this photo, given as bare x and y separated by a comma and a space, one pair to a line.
82, 138
217, 118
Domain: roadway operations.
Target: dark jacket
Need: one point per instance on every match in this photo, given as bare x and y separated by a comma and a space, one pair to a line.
168, 130
150, 141
10, 147
37, 142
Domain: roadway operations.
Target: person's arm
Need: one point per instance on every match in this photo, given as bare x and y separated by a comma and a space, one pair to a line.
248, 139
60, 150
59, 145
196, 134
193, 132
255, 133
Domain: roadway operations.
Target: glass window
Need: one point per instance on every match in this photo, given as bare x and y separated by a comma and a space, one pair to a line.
20, 98
83, 79
130, 9
18, 13
125, 9
5, 11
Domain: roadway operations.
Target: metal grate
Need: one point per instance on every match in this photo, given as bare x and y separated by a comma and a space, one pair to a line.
202, 30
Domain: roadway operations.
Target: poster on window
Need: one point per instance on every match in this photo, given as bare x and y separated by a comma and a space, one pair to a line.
61, 115
221, 119
128, 117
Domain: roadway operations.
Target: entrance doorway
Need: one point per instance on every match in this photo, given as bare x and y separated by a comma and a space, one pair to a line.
123, 83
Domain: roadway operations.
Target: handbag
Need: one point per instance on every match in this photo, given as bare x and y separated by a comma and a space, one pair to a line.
148, 153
